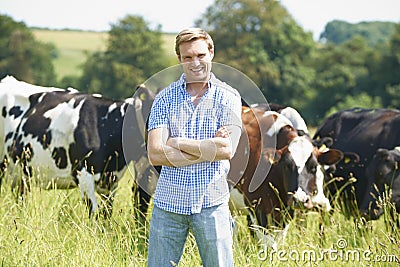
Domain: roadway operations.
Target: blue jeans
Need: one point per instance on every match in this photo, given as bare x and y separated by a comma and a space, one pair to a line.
212, 229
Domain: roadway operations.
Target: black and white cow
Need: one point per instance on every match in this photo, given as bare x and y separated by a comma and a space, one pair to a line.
14, 101
75, 139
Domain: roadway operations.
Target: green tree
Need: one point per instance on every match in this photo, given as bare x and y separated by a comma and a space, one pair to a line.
134, 53
392, 68
393, 99
384, 69
22, 56
341, 75
362, 100
261, 39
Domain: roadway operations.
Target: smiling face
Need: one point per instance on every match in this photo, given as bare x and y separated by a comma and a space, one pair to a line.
196, 57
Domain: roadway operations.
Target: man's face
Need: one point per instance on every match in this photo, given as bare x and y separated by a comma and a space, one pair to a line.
196, 60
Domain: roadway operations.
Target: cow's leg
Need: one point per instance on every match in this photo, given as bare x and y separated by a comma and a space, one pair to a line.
145, 182
107, 203
141, 200
144, 190
23, 155
22, 183
107, 187
392, 219
26, 169
87, 187
26, 179
3, 169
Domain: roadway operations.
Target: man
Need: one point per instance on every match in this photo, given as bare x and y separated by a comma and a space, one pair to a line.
194, 128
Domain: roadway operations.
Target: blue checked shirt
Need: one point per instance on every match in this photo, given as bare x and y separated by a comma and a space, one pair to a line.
188, 189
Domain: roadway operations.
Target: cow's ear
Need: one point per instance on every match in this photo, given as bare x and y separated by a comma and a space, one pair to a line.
330, 157
143, 96
141, 92
350, 157
273, 155
323, 142
397, 153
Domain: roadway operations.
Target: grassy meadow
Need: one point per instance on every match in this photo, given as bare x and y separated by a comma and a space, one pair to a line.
52, 228
73, 46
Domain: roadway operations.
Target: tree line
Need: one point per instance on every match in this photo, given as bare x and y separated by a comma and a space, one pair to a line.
352, 65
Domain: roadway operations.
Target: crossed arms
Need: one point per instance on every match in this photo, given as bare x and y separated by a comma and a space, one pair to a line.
179, 152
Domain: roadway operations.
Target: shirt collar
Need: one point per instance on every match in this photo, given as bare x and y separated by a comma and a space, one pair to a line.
182, 81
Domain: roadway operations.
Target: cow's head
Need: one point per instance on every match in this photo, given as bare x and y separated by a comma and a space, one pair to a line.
277, 147
305, 181
299, 163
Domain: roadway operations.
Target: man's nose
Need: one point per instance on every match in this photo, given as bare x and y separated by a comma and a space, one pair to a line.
196, 61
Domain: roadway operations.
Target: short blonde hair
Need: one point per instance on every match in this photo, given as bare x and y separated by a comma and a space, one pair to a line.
191, 34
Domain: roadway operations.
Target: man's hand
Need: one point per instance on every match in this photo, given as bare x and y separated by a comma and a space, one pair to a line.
223, 132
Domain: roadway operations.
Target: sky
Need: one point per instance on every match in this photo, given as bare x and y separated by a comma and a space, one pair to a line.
174, 15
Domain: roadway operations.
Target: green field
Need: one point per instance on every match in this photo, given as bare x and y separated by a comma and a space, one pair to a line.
72, 47
52, 228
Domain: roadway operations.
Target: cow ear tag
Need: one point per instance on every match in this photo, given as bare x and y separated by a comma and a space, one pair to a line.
347, 160
142, 96
271, 159
322, 148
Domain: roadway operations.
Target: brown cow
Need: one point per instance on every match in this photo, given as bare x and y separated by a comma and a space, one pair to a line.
274, 166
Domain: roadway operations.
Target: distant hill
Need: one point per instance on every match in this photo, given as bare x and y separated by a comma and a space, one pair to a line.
375, 33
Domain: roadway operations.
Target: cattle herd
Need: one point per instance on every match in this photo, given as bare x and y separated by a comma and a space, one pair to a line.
80, 140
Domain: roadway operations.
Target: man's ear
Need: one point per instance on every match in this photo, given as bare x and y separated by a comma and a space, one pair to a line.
212, 53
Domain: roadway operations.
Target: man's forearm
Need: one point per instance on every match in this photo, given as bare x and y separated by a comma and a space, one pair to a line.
170, 156
161, 153
181, 152
212, 149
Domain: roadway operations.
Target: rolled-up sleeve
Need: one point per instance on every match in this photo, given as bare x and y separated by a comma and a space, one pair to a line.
233, 110
158, 114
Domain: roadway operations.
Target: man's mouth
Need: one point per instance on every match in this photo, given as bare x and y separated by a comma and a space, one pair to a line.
197, 69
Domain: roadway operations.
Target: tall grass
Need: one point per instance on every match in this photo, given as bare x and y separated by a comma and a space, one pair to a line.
52, 228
